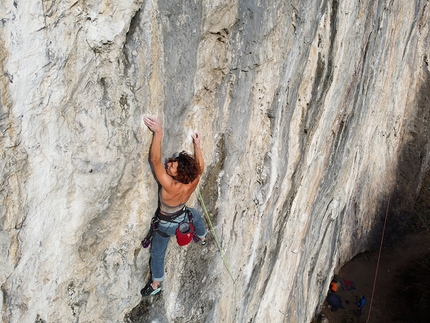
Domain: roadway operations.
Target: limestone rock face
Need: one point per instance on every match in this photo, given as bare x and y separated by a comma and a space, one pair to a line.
314, 117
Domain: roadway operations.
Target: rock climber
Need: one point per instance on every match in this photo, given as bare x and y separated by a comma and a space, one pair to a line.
178, 180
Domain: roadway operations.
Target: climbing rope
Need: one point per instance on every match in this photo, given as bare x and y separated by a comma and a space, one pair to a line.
401, 127
379, 258
206, 213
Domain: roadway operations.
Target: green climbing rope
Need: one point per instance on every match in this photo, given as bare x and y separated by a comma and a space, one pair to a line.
202, 202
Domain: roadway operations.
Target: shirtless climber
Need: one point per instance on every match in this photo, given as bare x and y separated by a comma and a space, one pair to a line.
178, 180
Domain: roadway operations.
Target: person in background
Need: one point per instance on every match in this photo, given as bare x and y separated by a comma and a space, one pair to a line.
360, 305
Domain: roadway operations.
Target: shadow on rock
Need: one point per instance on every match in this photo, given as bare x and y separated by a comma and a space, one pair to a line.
150, 309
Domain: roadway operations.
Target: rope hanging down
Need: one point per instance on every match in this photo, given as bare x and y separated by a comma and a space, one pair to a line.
402, 127
202, 202
379, 258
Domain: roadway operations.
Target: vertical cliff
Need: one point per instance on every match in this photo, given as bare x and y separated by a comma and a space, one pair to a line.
314, 114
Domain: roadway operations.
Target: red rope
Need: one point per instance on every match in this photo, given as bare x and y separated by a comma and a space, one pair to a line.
379, 258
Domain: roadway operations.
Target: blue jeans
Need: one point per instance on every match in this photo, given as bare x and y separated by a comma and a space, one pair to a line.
159, 243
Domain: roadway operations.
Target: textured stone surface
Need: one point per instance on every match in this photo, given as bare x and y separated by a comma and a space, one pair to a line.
314, 115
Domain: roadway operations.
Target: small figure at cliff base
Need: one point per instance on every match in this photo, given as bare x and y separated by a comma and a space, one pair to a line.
360, 305
335, 302
178, 179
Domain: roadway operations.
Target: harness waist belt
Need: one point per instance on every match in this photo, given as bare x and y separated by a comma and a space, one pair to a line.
172, 216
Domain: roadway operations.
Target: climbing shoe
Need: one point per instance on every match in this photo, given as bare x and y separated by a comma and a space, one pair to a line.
148, 290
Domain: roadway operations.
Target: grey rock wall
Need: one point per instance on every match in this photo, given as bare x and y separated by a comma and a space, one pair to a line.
314, 117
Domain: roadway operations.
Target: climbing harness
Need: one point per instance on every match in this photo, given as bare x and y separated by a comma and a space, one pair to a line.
184, 232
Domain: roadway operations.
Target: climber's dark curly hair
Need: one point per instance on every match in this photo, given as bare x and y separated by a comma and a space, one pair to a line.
188, 168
